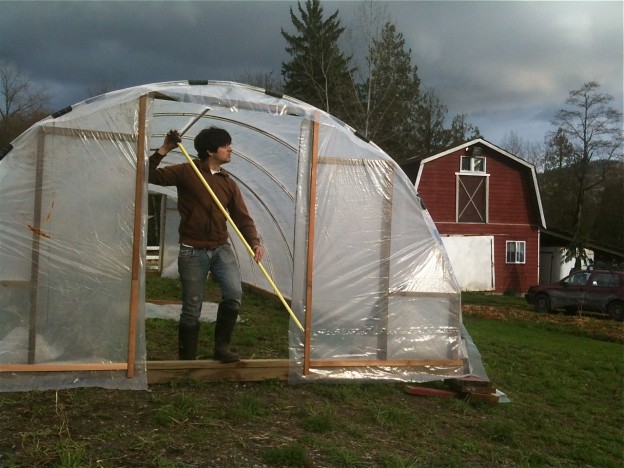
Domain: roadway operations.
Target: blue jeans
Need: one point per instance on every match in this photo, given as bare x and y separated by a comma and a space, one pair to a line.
194, 266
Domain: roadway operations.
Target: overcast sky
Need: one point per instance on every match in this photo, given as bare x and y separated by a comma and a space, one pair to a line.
507, 65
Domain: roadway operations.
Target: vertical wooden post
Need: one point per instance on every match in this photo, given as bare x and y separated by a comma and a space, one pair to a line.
384, 267
34, 265
137, 238
310, 262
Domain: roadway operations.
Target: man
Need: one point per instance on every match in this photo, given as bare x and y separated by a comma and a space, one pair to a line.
203, 236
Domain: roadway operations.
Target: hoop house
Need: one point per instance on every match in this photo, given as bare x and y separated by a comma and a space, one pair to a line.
347, 239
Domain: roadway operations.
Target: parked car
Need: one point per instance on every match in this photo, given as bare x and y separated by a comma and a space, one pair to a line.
599, 291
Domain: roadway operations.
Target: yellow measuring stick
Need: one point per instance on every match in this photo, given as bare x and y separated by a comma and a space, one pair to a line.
249, 249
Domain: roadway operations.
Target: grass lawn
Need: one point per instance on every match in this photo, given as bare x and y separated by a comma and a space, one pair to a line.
563, 375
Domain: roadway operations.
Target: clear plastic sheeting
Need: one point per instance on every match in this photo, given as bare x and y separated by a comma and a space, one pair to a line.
67, 214
347, 239
385, 303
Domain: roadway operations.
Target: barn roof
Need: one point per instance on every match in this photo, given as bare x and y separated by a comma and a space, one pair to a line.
420, 161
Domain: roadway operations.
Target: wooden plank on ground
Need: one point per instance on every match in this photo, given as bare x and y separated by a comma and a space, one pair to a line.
246, 370
429, 392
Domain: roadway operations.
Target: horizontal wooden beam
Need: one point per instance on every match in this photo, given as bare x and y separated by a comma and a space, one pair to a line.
18, 283
387, 363
246, 370
64, 367
255, 370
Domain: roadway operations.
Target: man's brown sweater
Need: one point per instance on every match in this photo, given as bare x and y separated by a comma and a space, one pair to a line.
202, 225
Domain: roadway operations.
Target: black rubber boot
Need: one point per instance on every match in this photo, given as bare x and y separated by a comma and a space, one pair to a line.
188, 335
226, 320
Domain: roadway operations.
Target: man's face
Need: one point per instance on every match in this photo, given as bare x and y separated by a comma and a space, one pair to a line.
223, 154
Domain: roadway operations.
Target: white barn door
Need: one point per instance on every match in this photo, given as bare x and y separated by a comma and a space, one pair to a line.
472, 258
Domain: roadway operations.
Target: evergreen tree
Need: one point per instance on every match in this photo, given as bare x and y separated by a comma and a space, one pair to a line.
429, 133
318, 72
559, 150
384, 105
391, 94
461, 131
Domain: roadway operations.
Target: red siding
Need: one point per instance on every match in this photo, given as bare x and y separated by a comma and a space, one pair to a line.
513, 214
512, 199
437, 188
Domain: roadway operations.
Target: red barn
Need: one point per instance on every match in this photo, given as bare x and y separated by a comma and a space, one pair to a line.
486, 205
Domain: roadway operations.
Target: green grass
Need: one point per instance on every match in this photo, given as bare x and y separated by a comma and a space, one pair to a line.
289, 455
566, 392
568, 388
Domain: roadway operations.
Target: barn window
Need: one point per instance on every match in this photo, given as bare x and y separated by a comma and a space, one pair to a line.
472, 164
515, 252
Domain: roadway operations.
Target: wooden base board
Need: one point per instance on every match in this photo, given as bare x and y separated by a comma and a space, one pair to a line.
245, 370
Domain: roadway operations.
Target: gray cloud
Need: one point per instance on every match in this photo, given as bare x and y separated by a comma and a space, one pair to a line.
507, 65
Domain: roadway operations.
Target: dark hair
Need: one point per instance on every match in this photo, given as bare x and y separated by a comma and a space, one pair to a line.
211, 139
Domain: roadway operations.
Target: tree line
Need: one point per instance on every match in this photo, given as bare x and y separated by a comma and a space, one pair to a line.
581, 171
378, 93
375, 88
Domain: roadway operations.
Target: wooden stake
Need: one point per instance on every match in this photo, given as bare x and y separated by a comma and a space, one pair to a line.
34, 266
310, 263
137, 233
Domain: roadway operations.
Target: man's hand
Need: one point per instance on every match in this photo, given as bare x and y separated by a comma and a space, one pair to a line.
172, 138
258, 253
